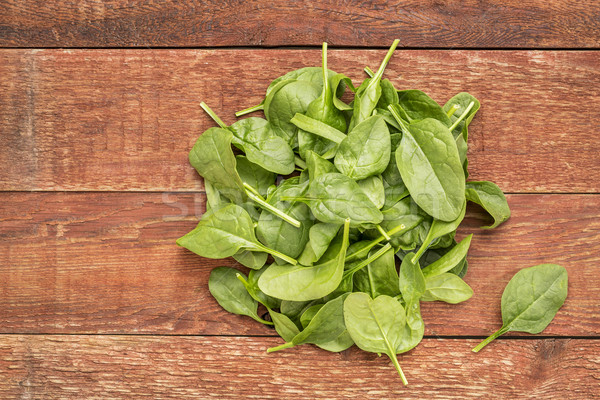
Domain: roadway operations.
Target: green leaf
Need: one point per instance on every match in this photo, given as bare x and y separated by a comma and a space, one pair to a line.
334, 197
320, 236
428, 161
376, 325
299, 283
254, 175
231, 294
213, 158
531, 300
373, 188
366, 150
262, 146
446, 287
417, 106
411, 280
379, 277
449, 260
489, 196
223, 232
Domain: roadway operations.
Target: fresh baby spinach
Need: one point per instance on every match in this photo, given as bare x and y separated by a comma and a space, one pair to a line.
531, 299
324, 197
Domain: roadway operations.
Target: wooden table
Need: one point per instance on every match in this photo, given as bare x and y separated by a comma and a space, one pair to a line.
99, 106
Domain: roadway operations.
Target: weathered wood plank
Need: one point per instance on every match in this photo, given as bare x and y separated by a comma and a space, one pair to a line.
126, 120
121, 23
107, 263
125, 367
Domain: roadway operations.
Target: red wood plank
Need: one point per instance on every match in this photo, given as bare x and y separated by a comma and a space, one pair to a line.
108, 263
125, 367
430, 23
126, 120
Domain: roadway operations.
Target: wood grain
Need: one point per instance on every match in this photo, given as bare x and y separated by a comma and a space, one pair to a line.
430, 23
125, 367
108, 263
126, 119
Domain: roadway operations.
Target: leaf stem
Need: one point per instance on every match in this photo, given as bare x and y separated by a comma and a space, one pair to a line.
486, 341
383, 233
263, 204
374, 242
286, 345
248, 110
318, 128
368, 261
452, 110
398, 118
377, 77
299, 162
369, 72
278, 254
398, 368
325, 75
214, 116
250, 188
462, 116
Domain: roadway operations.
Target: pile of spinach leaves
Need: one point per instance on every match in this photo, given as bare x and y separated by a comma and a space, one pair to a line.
322, 198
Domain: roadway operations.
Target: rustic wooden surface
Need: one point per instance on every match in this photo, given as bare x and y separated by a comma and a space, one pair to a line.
97, 301
113, 119
418, 23
101, 367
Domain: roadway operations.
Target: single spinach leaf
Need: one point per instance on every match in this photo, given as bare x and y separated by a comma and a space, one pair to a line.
411, 280
317, 165
323, 110
284, 326
531, 300
489, 196
231, 294
284, 102
320, 236
223, 232
262, 146
376, 325
368, 94
379, 277
449, 260
213, 158
299, 283
251, 259
446, 287
428, 161
254, 175
366, 150
373, 188
334, 197
417, 106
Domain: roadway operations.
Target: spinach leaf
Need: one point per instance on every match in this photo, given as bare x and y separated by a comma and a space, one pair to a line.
213, 158
373, 188
254, 175
284, 326
417, 106
231, 294
489, 196
376, 325
446, 287
299, 283
255, 137
378, 277
411, 280
317, 165
325, 326
531, 300
449, 260
251, 259
334, 197
323, 110
223, 232
367, 96
366, 150
320, 236
427, 159
284, 102
440, 228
